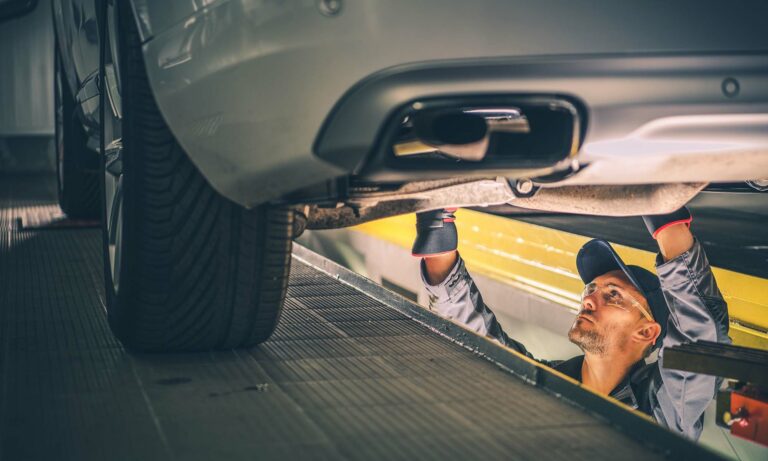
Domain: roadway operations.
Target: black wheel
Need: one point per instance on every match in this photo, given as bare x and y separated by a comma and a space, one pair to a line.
77, 167
185, 268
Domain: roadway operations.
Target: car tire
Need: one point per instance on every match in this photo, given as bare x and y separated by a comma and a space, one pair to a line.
196, 271
77, 166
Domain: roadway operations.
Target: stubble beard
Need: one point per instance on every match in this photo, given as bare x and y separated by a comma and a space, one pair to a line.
587, 340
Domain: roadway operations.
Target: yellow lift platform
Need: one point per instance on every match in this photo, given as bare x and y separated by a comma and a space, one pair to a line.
542, 261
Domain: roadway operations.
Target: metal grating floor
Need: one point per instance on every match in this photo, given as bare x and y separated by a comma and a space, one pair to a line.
343, 377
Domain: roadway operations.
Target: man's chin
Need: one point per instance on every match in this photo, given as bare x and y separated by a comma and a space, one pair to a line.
586, 338
575, 335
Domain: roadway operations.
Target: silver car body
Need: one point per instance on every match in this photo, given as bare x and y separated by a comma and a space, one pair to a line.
268, 97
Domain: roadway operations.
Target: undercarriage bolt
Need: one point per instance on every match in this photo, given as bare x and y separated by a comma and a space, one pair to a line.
524, 186
329, 7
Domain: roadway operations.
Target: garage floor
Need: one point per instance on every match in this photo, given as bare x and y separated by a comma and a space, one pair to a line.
343, 377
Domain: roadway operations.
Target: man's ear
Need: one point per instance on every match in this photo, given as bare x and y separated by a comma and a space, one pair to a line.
647, 332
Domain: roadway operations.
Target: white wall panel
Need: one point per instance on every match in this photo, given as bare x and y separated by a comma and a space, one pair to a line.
26, 74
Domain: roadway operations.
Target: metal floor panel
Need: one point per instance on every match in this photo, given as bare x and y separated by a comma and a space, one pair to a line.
344, 376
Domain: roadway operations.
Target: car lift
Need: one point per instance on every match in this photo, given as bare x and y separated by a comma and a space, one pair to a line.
353, 371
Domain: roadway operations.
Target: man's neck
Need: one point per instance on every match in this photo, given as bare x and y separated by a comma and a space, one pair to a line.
602, 373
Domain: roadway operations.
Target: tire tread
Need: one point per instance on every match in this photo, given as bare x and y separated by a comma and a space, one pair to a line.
204, 273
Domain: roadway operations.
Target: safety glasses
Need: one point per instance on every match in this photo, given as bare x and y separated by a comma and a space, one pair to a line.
615, 296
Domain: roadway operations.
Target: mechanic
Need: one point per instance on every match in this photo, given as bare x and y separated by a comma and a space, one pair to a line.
626, 313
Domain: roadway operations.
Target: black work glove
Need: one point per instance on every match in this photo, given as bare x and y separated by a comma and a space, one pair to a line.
656, 223
435, 233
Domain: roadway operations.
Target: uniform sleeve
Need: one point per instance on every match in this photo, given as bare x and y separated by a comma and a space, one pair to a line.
457, 298
697, 312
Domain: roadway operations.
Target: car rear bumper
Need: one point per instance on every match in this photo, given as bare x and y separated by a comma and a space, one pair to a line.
268, 98
647, 119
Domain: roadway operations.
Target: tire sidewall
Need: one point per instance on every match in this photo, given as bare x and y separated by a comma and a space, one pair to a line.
76, 164
64, 136
115, 301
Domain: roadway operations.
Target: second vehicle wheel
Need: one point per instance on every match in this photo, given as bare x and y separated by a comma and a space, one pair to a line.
77, 166
186, 269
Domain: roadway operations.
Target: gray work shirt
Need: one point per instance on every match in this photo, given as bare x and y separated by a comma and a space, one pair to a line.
676, 399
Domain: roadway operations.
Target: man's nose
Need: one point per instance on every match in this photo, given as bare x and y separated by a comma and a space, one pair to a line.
588, 304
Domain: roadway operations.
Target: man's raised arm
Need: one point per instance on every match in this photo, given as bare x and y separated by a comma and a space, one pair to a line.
697, 312
452, 292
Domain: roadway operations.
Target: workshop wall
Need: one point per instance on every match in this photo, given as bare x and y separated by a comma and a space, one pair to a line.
26, 92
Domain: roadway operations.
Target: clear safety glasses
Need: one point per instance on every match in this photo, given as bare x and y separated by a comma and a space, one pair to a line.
615, 296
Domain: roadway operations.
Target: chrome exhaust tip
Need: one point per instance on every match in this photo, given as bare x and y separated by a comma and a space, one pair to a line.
464, 134
505, 135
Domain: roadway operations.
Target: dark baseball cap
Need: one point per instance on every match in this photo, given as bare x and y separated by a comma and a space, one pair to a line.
597, 257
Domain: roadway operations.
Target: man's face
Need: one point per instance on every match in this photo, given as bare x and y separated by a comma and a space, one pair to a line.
607, 316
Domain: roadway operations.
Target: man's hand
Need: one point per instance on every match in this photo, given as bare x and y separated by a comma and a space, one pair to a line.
436, 242
671, 232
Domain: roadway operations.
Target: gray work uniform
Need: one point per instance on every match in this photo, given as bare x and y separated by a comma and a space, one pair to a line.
676, 399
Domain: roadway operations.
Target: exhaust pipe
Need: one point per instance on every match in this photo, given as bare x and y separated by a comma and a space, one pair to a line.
465, 133
509, 135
